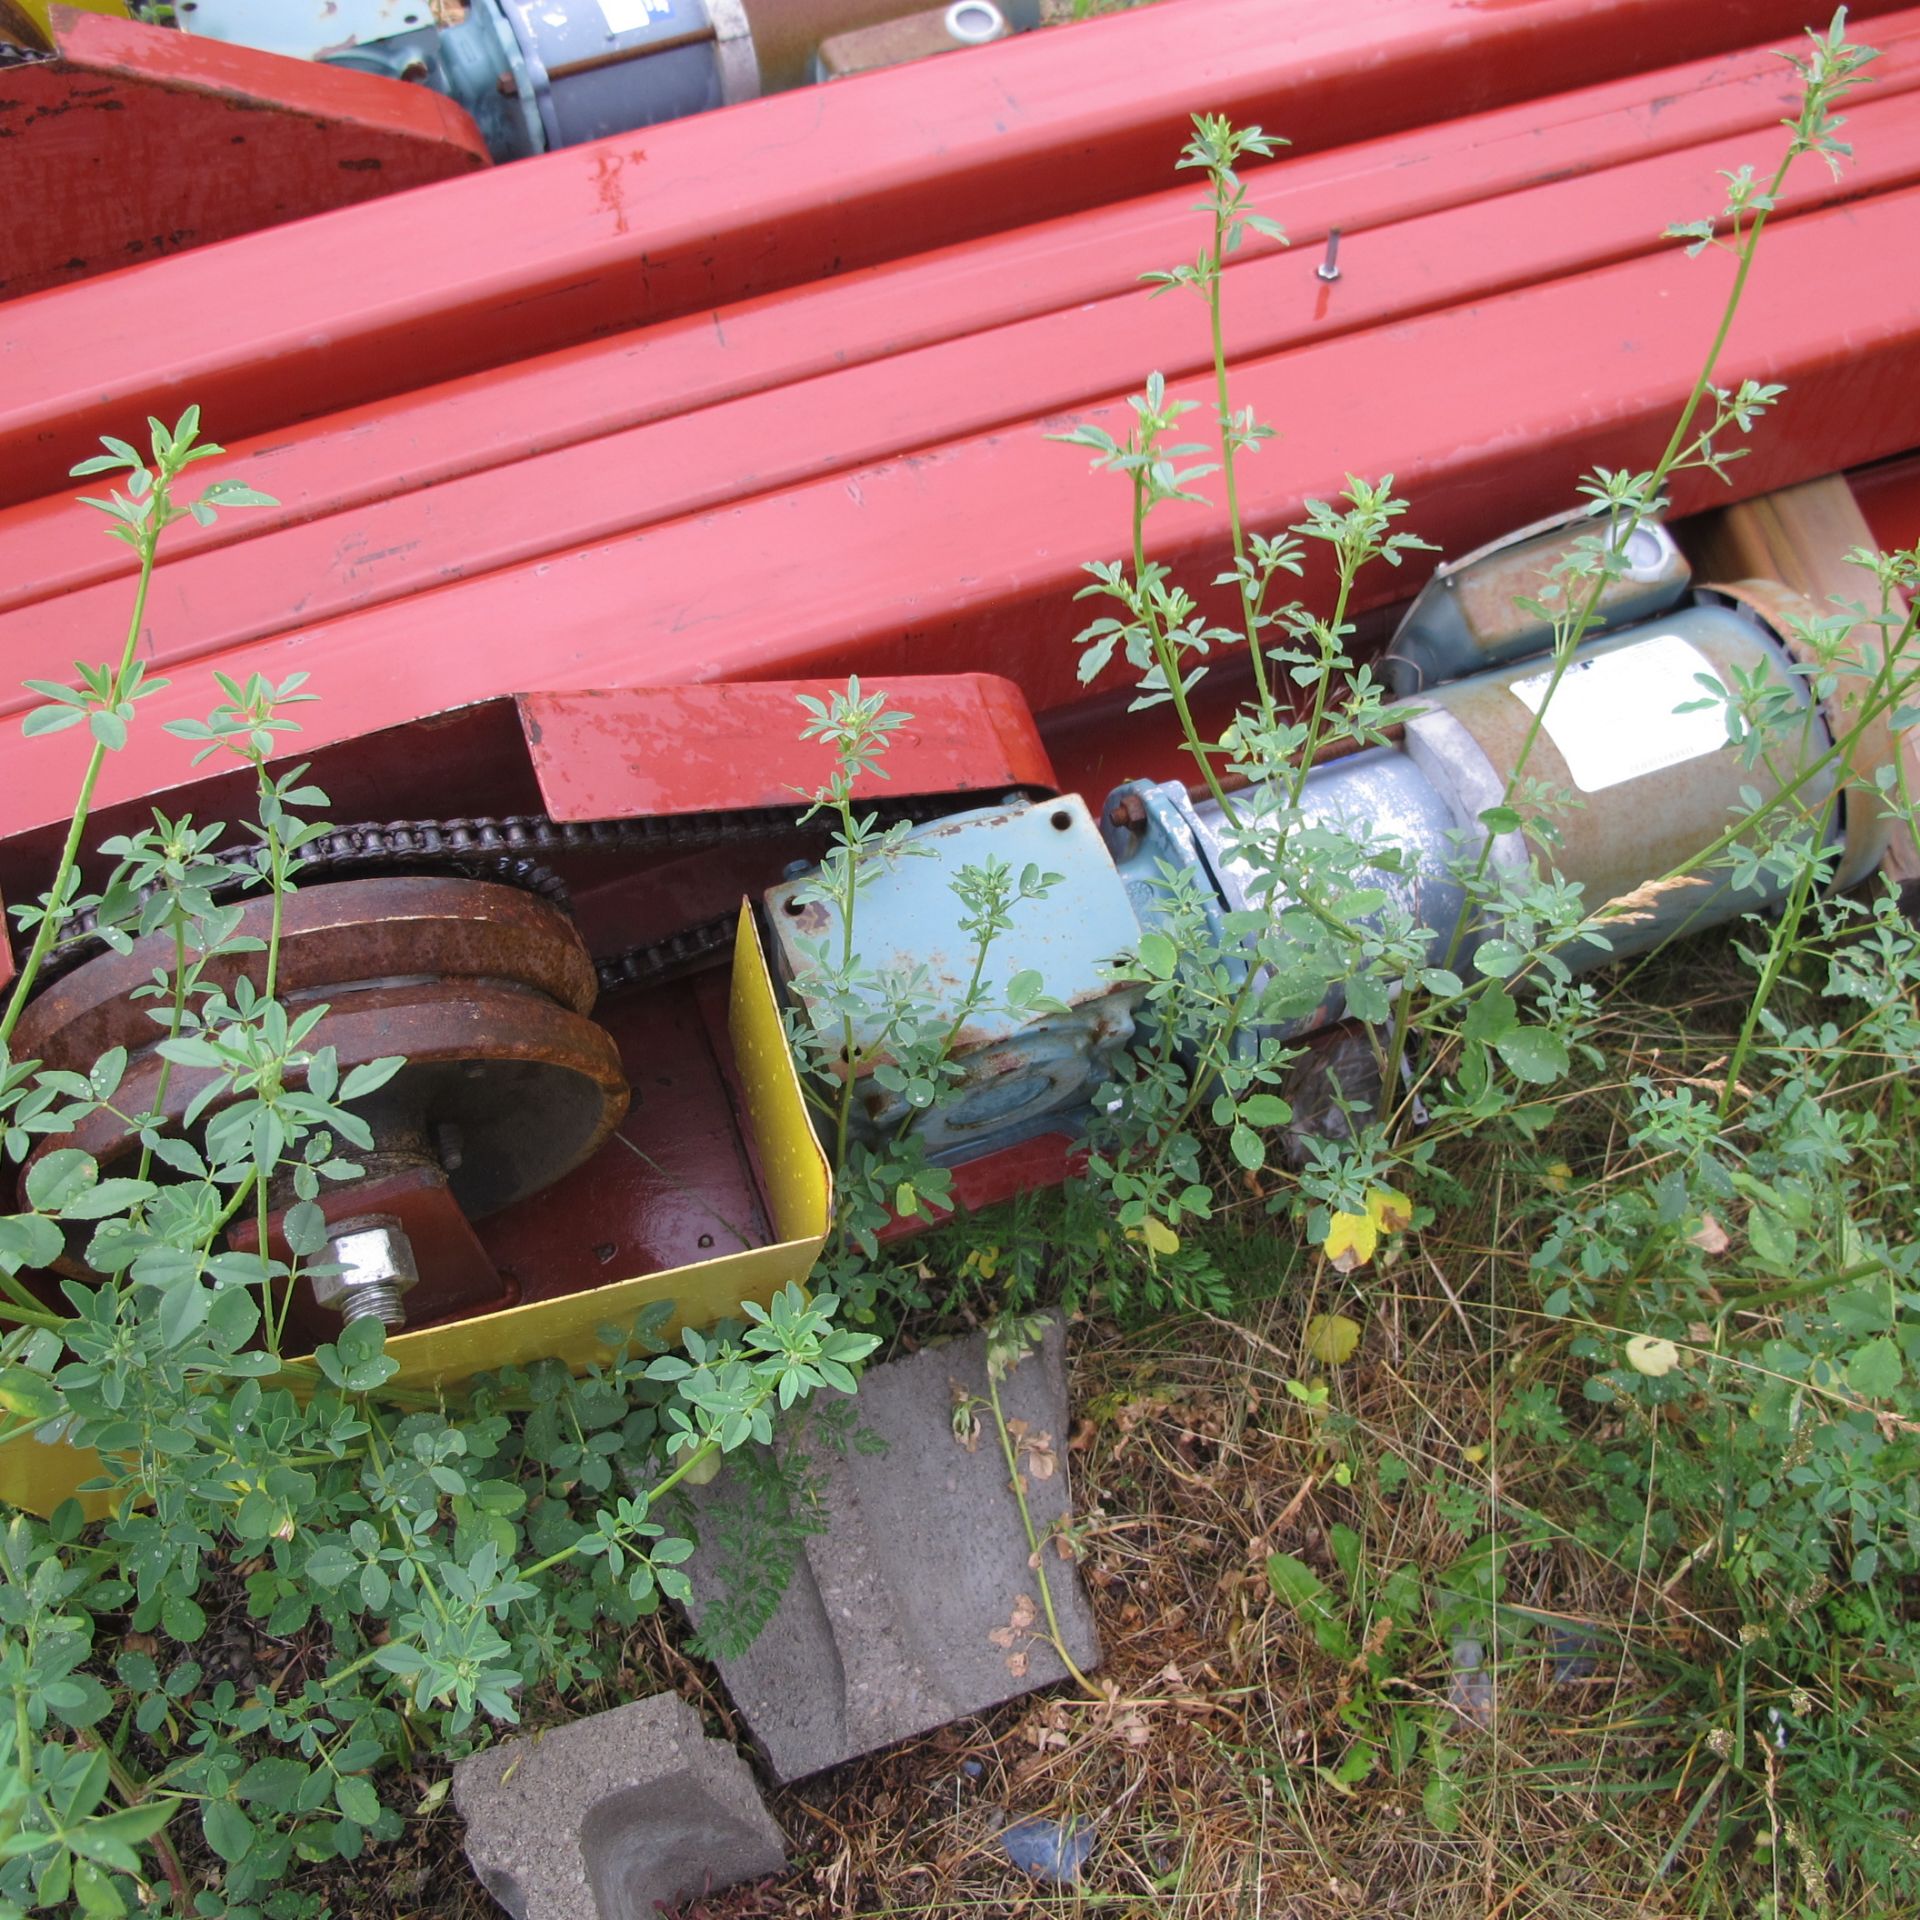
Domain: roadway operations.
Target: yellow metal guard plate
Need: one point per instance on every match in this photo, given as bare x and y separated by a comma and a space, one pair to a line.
799, 1194
25, 23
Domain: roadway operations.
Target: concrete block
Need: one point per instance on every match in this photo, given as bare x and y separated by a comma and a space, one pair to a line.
917, 1604
601, 1819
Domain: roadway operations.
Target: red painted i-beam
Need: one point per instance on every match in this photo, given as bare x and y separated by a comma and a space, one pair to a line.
344, 463
1005, 379
373, 301
135, 142
967, 555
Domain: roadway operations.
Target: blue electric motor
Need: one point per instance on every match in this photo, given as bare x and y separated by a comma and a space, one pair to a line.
1633, 735
542, 74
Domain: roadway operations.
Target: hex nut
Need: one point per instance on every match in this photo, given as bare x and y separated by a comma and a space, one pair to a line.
377, 1268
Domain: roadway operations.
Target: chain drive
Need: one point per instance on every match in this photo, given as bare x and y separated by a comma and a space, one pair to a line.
515, 850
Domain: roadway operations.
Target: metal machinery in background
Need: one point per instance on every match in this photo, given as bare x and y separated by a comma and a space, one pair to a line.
538, 75
1635, 732
765, 393
571, 1113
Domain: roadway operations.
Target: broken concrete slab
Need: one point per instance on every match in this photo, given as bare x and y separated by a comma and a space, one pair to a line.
603, 1818
917, 1604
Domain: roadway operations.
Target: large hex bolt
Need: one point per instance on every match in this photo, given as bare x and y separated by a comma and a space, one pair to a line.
375, 1259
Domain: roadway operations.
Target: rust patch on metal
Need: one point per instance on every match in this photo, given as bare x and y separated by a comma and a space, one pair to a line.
483, 991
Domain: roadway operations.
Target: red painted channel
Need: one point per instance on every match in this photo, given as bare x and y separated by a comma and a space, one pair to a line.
1004, 380
966, 555
345, 462
372, 301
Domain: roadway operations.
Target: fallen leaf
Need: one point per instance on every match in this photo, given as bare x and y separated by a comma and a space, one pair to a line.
1332, 1338
1710, 1236
1651, 1356
1017, 1665
1558, 1177
1046, 1729
1039, 1455
698, 1473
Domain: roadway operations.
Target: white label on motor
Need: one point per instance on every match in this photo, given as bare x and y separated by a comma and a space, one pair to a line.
624, 16
1612, 716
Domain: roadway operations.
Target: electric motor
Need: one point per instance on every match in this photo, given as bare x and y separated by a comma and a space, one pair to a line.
1630, 764
542, 74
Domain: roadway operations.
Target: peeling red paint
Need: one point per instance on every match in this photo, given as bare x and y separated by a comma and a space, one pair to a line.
83, 198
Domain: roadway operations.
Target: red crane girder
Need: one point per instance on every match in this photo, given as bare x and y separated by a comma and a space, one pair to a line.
373, 301
135, 142
329, 472
966, 556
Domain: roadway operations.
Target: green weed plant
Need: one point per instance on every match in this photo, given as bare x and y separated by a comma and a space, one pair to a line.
426, 1557
1734, 1288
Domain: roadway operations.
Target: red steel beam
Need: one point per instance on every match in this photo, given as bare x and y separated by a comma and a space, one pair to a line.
1004, 378
599, 755
354, 460
1889, 496
134, 142
359, 305
967, 556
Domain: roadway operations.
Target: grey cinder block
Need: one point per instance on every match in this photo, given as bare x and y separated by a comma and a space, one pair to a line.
917, 1605
602, 1818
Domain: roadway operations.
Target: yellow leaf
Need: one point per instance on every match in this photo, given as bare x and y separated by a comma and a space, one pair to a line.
1652, 1357
1389, 1210
1558, 1177
1473, 1455
704, 1470
1350, 1241
1353, 1237
1331, 1338
1160, 1237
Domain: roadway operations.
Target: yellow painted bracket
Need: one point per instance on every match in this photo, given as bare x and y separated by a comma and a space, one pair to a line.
799, 1197
24, 23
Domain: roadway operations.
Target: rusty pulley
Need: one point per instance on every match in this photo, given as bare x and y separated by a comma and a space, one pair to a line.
483, 989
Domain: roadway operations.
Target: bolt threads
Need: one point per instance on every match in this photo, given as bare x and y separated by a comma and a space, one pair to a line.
376, 1300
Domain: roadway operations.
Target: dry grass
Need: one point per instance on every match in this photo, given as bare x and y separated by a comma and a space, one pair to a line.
1202, 1772
1207, 1772
1199, 1773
